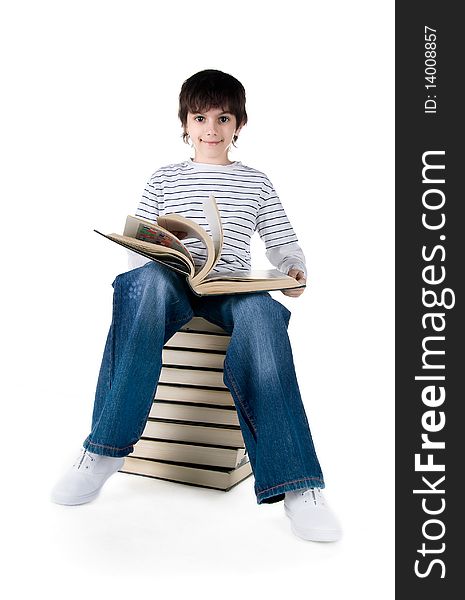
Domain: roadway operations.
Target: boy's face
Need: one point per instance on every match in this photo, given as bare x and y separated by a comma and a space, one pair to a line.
212, 133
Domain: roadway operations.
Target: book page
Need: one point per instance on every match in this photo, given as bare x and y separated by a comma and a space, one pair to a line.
175, 222
212, 214
145, 231
253, 275
168, 256
240, 282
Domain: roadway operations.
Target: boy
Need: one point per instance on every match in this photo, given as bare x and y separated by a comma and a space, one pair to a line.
151, 303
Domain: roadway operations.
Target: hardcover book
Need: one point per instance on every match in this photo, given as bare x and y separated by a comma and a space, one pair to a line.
183, 431
188, 452
221, 478
198, 395
158, 242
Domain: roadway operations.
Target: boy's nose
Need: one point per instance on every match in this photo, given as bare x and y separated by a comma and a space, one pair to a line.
210, 129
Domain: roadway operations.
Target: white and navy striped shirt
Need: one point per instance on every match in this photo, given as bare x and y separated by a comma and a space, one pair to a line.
247, 202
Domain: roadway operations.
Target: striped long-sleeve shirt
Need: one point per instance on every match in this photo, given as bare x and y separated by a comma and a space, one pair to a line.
247, 202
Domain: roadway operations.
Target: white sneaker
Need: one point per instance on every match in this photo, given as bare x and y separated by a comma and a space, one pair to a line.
84, 480
311, 517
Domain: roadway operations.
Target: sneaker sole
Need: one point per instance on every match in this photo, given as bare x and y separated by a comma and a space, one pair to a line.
67, 501
312, 535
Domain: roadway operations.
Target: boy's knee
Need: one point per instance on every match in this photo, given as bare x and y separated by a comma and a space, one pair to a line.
151, 276
260, 309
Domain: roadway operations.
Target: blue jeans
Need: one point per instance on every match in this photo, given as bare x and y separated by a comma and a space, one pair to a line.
150, 304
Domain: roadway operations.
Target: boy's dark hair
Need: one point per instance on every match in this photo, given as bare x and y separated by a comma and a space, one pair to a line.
212, 89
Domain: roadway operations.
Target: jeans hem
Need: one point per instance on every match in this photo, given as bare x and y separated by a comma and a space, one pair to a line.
289, 486
105, 450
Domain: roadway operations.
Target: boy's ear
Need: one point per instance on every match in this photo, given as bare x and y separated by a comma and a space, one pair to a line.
239, 128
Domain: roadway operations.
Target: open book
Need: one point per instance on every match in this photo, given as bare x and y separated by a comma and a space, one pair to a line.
158, 242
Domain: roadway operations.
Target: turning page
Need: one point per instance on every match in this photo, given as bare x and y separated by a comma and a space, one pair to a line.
212, 214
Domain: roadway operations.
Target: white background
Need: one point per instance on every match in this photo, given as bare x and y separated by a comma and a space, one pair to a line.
90, 93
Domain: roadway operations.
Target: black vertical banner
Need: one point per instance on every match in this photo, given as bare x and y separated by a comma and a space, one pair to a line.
430, 269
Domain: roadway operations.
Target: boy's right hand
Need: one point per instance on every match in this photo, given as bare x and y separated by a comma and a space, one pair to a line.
300, 277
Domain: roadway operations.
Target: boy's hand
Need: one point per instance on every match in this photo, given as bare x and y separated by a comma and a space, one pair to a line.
299, 276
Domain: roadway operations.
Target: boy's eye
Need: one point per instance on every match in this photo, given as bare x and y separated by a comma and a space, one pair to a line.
223, 118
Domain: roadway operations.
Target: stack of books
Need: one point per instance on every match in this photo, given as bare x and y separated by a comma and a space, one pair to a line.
192, 435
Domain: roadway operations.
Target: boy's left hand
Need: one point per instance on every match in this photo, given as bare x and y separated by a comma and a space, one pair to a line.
300, 277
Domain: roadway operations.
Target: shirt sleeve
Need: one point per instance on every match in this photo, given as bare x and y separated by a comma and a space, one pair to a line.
148, 208
282, 247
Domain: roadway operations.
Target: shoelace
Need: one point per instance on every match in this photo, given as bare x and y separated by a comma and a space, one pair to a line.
314, 495
83, 458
